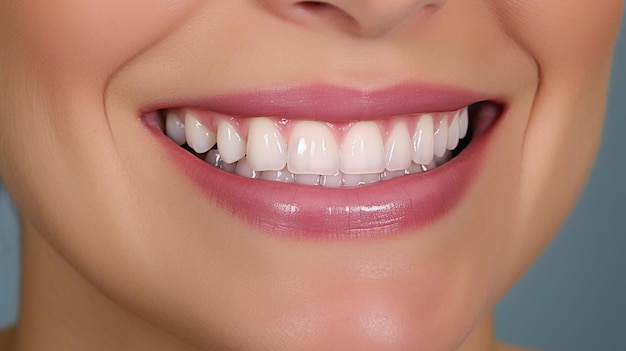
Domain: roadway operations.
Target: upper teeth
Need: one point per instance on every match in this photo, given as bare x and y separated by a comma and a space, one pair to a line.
320, 153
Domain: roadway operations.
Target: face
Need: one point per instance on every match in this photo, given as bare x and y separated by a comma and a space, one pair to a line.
95, 95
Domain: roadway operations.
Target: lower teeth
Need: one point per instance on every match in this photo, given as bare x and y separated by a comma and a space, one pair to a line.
339, 180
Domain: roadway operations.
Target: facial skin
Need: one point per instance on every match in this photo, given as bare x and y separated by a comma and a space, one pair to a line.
121, 249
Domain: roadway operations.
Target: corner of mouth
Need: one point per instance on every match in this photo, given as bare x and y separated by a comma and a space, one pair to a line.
321, 195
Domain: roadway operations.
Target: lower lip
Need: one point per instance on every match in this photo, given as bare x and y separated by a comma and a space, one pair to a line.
298, 211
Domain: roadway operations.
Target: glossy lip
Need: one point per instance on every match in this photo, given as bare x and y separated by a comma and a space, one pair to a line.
300, 211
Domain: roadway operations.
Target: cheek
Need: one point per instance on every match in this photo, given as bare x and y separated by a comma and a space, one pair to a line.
71, 39
57, 57
571, 43
562, 35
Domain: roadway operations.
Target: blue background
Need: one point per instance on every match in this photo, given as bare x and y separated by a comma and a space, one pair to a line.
572, 299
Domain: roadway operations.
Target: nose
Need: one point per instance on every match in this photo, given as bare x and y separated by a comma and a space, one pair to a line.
368, 18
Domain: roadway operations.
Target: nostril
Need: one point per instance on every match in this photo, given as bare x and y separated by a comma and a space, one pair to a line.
314, 5
322, 10
317, 8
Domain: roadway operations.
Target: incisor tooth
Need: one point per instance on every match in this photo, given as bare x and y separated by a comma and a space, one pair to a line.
398, 147
313, 155
199, 138
229, 143
267, 150
312, 150
423, 140
362, 150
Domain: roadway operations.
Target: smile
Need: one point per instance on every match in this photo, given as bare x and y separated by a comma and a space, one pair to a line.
306, 173
319, 153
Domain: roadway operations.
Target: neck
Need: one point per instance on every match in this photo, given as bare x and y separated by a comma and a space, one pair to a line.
60, 310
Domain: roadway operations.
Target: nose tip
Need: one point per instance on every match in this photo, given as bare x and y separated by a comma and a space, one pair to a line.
368, 18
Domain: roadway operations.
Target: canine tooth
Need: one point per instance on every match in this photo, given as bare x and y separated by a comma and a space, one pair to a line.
245, 170
463, 123
398, 148
423, 140
283, 176
332, 181
441, 136
229, 143
267, 150
453, 133
174, 128
312, 149
198, 136
307, 179
362, 151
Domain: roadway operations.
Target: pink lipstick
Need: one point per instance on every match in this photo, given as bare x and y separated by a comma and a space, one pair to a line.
303, 211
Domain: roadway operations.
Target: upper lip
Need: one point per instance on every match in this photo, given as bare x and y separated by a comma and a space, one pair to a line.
333, 103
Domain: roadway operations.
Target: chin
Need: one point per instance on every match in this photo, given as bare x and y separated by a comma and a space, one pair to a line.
314, 183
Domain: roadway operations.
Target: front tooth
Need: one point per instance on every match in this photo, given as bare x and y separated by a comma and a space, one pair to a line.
312, 150
453, 133
398, 148
229, 143
362, 151
441, 137
267, 150
175, 128
198, 136
423, 140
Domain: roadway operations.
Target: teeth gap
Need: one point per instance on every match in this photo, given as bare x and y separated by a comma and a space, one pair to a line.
485, 110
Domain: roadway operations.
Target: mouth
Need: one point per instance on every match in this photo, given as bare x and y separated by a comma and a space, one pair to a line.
330, 162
